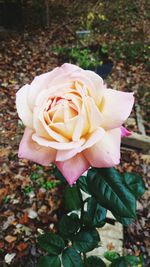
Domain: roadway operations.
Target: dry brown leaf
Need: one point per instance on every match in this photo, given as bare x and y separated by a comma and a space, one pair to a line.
10, 238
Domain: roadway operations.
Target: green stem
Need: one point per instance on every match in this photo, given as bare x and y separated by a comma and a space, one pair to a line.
84, 258
82, 202
82, 213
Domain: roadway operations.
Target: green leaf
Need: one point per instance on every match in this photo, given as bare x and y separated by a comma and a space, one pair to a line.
69, 224
134, 183
132, 260
49, 261
85, 241
82, 182
123, 220
96, 212
51, 243
108, 189
72, 198
70, 258
95, 262
59, 175
111, 255
95, 216
120, 262
125, 261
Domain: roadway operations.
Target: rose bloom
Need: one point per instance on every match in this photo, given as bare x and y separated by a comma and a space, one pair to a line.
72, 120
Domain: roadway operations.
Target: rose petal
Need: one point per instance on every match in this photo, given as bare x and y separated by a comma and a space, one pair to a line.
73, 168
47, 80
29, 149
23, 109
39, 84
82, 125
94, 115
106, 152
97, 91
125, 132
116, 109
57, 145
91, 140
38, 126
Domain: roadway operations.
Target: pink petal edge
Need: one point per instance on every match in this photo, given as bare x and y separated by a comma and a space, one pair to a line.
125, 132
30, 150
73, 168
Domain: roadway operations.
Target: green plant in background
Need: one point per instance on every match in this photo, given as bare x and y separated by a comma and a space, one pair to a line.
28, 189
131, 51
106, 189
84, 57
37, 180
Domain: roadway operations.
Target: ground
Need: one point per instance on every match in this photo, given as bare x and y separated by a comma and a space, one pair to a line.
29, 194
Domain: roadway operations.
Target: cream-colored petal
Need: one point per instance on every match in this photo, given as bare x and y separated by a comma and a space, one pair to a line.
30, 150
39, 84
90, 141
116, 109
23, 109
106, 152
97, 90
82, 125
94, 114
54, 135
59, 146
66, 129
38, 126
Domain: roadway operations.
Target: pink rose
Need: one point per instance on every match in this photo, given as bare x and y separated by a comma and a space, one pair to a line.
73, 120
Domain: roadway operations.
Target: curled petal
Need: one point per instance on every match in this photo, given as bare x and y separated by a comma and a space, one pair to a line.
57, 145
39, 84
91, 140
106, 152
29, 149
125, 132
116, 108
97, 91
47, 80
94, 114
73, 168
24, 112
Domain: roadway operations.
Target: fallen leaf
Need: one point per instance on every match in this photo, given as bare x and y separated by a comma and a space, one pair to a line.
1, 245
32, 214
9, 257
22, 246
24, 219
10, 238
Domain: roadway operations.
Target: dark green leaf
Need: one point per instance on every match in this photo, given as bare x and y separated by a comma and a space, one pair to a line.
125, 261
82, 182
96, 212
120, 262
95, 262
135, 183
132, 260
123, 220
69, 225
59, 175
72, 198
70, 258
51, 243
49, 261
111, 255
107, 187
85, 241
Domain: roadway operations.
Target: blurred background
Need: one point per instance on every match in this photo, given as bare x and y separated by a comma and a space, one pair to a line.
108, 37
